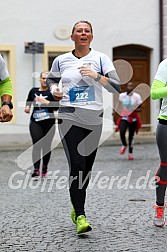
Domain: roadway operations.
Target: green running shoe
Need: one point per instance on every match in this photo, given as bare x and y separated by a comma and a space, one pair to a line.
73, 216
82, 225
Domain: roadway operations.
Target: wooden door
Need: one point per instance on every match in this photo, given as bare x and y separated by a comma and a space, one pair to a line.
140, 76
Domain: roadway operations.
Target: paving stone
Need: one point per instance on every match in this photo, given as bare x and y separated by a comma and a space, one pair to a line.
118, 206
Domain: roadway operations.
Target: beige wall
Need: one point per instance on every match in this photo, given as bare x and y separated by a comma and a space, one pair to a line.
164, 35
115, 23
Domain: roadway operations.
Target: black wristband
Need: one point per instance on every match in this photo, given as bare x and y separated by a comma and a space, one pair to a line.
9, 103
98, 77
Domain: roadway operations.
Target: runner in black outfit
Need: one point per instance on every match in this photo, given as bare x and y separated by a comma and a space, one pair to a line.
42, 124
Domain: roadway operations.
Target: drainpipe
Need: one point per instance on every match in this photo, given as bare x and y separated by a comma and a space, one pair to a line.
161, 29
160, 35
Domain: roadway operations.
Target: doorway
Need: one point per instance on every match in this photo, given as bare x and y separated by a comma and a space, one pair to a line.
139, 59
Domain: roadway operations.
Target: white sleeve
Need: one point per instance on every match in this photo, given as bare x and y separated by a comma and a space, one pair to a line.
3, 69
139, 100
55, 69
161, 73
107, 65
122, 96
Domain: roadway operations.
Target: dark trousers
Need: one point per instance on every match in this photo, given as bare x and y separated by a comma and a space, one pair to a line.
124, 125
80, 143
42, 134
161, 136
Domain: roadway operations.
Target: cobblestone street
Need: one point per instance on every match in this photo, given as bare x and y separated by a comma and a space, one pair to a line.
35, 216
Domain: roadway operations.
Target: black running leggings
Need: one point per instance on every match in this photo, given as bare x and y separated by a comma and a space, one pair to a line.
80, 155
42, 134
124, 125
161, 136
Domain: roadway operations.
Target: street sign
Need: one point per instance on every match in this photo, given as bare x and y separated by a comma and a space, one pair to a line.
34, 47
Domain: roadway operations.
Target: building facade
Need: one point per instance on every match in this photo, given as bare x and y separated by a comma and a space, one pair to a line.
127, 31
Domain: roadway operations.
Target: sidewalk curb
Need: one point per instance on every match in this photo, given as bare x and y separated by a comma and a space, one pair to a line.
23, 141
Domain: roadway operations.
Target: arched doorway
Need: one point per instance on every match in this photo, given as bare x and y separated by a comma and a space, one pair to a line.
139, 58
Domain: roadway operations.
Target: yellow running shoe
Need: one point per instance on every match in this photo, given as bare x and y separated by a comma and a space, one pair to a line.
82, 225
73, 215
